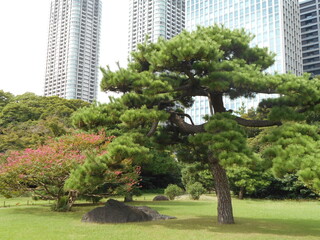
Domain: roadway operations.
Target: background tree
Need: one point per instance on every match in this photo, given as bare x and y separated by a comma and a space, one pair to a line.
29, 106
287, 187
43, 171
5, 98
246, 181
191, 173
27, 120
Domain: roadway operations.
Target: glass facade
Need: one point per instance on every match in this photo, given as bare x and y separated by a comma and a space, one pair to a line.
73, 49
310, 25
275, 24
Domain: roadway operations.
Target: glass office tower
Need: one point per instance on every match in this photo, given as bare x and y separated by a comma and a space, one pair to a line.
73, 49
310, 25
155, 18
275, 23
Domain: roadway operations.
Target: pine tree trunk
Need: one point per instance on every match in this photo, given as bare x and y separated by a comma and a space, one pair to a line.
128, 197
241, 193
225, 214
71, 199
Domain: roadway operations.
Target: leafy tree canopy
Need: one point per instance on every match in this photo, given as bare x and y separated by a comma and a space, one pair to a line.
5, 98
27, 120
29, 106
44, 170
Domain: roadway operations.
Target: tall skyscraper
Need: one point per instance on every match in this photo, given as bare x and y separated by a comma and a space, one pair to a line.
275, 24
73, 49
310, 27
155, 18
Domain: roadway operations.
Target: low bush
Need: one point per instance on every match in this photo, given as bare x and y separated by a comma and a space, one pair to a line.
195, 190
173, 191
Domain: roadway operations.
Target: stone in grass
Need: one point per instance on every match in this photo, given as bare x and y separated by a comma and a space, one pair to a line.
155, 215
117, 212
160, 198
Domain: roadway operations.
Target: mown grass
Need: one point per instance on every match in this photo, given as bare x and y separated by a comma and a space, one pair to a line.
255, 219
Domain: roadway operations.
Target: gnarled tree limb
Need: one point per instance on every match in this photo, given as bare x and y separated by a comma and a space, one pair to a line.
192, 129
186, 115
153, 128
185, 127
256, 123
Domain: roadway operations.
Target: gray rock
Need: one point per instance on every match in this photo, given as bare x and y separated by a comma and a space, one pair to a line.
160, 198
155, 215
117, 212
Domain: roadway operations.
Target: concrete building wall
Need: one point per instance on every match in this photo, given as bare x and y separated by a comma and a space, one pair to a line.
73, 49
154, 18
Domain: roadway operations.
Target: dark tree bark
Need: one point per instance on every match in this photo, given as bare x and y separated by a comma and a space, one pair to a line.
256, 123
225, 214
217, 102
128, 197
153, 128
185, 127
241, 193
192, 129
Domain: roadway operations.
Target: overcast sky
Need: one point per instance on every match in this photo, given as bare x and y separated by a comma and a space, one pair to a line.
24, 28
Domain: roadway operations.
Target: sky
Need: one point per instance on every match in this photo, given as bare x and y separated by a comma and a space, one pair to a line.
24, 26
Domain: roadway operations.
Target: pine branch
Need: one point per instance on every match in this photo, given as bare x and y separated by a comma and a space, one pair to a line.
256, 123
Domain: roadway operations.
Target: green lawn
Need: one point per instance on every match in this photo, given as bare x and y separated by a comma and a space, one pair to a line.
255, 219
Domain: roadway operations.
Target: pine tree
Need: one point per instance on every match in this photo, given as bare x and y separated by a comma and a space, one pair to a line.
162, 79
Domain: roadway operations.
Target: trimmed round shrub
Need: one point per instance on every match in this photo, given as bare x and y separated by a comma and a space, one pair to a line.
195, 190
173, 191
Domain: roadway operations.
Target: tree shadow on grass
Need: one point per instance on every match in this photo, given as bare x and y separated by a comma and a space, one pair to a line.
282, 227
172, 203
47, 212
80, 209
165, 205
